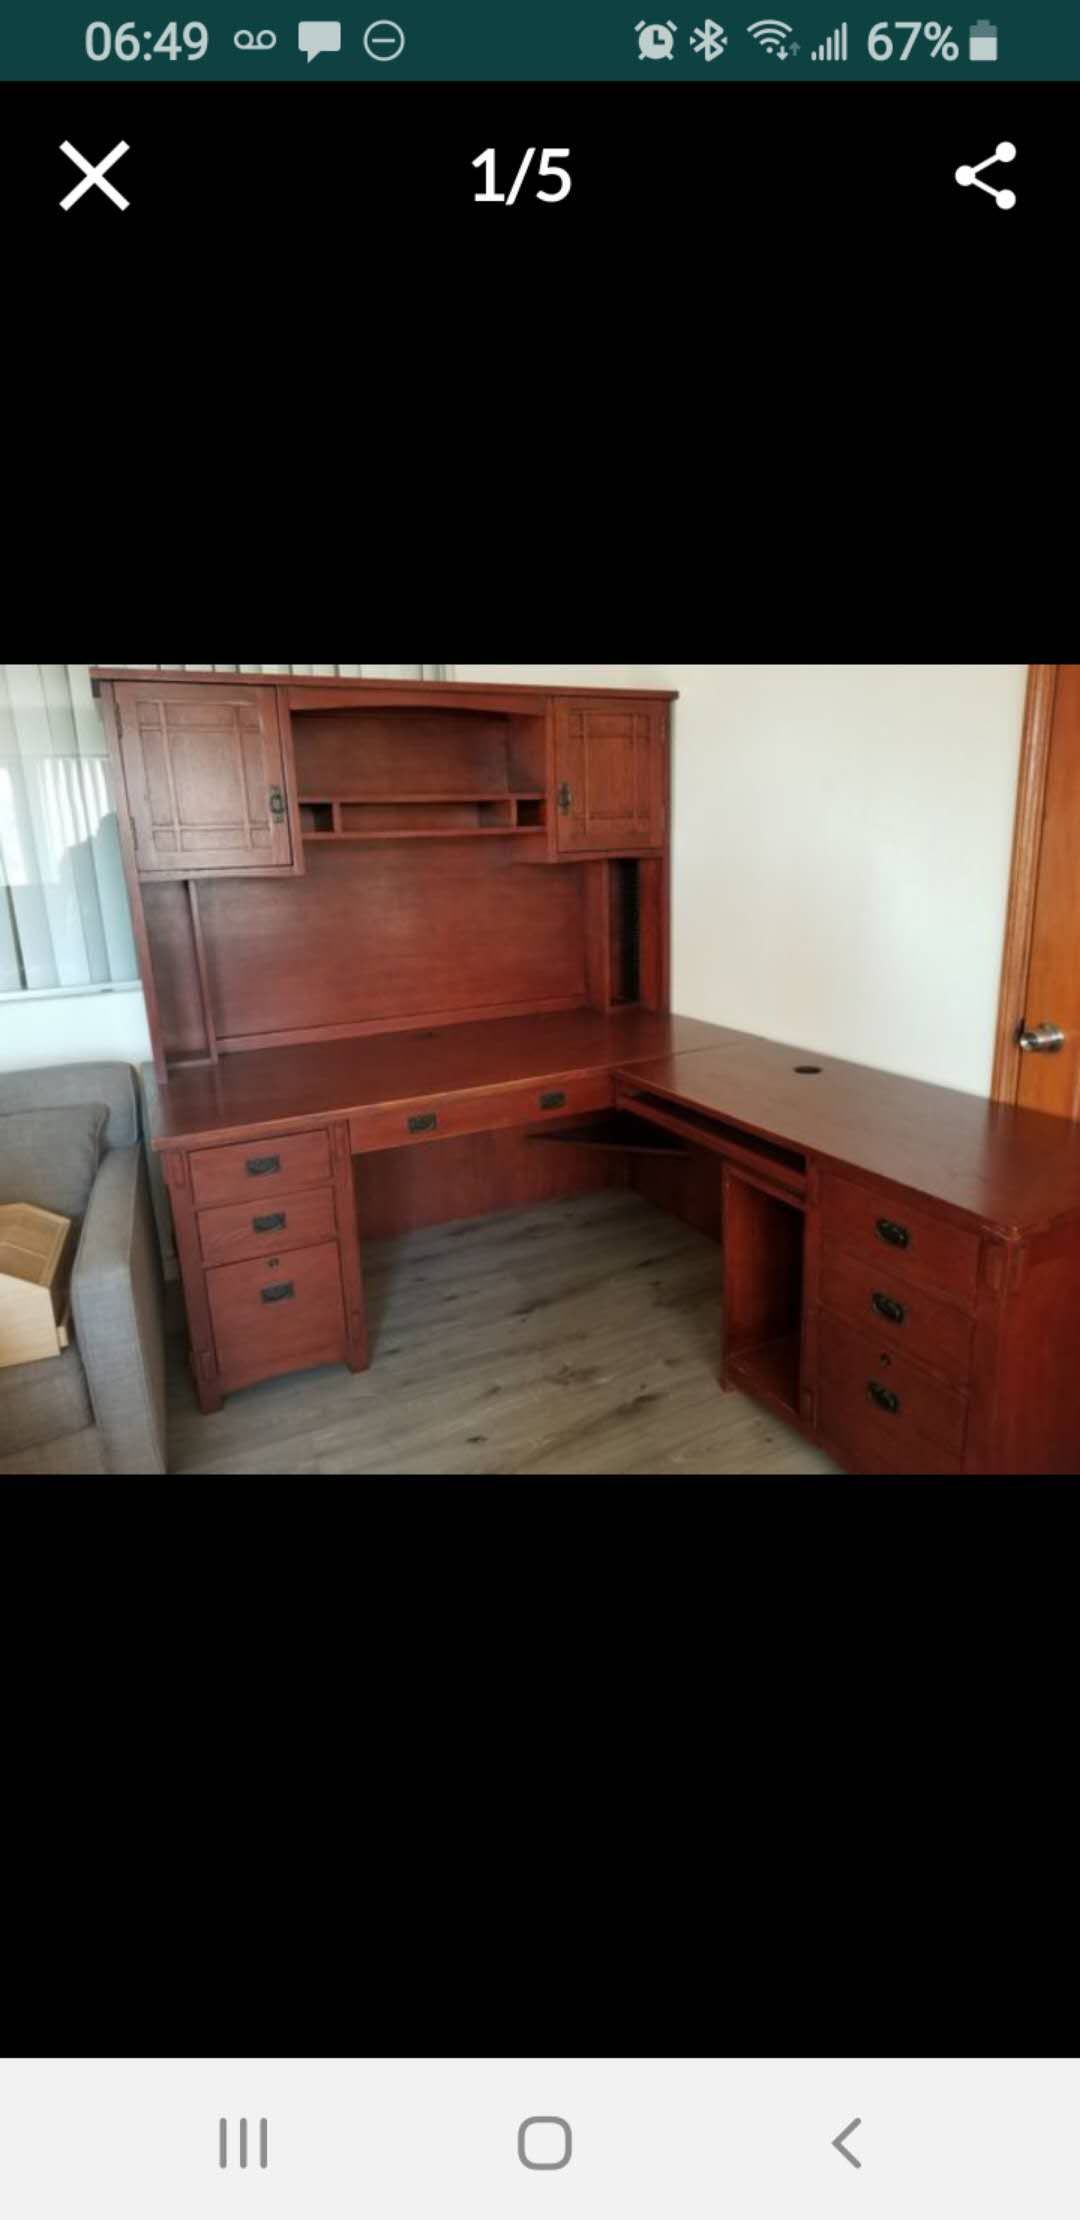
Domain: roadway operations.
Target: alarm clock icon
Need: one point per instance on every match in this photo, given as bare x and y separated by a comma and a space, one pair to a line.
655, 41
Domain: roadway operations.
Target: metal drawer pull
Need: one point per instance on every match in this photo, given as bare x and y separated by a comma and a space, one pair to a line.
883, 1397
887, 1306
269, 1224
554, 1099
423, 1122
897, 1237
257, 1164
277, 804
279, 1294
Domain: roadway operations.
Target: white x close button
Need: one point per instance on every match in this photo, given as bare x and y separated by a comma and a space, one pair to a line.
94, 175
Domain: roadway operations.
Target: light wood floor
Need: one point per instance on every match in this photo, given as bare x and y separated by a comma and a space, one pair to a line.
580, 1337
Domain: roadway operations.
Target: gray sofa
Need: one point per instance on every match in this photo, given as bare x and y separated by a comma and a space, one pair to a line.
100, 1405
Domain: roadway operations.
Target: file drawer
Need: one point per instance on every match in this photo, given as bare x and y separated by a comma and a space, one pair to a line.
259, 1168
437, 1117
880, 1225
257, 1228
278, 1313
869, 1393
863, 1444
911, 1323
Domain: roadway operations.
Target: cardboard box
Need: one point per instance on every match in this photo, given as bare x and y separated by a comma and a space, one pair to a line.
33, 1283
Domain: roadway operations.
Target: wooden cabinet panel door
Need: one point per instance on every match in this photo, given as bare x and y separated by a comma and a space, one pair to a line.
204, 770
610, 776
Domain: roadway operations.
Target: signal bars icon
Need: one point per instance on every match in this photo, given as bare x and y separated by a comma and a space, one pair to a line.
832, 49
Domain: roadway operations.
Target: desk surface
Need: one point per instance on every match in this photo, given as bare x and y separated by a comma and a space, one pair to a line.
270, 1086
1012, 1169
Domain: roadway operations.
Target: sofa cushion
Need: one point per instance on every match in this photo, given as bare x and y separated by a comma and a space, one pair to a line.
50, 1157
40, 1401
53, 1086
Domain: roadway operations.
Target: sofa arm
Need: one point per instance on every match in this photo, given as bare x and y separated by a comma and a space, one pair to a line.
117, 1303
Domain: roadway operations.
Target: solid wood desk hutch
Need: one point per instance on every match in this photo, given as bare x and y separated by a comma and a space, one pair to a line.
405, 952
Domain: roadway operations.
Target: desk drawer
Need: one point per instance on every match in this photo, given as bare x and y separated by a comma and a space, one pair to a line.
879, 1225
862, 1444
258, 1227
868, 1393
437, 1117
259, 1168
881, 1303
277, 1313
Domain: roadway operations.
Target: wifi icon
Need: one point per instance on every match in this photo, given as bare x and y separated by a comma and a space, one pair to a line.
771, 33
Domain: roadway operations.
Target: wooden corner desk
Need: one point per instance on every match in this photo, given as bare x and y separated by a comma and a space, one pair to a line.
405, 951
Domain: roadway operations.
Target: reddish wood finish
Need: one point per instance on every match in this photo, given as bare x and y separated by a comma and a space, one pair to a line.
370, 755
203, 774
356, 1346
269, 1090
989, 1279
392, 932
233, 1231
278, 1314
438, 1117
1052, 994
399, 1190
931, 1253
1035, 746
610, 776
855, 1361
686, 1185
866, 1440
763, 1290
421, 693
341, 863
784, 1166
937, 1332
256, 1173
1013, 1170
442, 974
204, 1364
448, 791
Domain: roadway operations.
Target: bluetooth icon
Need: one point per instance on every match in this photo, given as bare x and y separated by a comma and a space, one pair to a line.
710, 40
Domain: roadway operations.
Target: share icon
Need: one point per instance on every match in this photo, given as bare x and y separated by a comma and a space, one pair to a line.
968, 173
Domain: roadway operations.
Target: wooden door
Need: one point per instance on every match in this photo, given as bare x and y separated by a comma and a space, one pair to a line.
1041, 971
610, 776
205, 775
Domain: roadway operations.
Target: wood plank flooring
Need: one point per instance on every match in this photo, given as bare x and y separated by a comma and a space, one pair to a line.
580, 1337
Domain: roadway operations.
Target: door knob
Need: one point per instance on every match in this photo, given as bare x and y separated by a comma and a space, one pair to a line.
1042, 1039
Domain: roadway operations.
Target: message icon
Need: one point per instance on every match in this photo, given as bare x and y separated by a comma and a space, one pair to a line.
319, 38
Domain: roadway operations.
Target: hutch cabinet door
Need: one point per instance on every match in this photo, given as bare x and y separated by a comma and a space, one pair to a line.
610, 776
204, 771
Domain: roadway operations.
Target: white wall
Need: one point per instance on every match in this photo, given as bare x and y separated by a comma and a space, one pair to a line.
841, 838
74, 1029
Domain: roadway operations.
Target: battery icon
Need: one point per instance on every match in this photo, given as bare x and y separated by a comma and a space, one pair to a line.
982, 41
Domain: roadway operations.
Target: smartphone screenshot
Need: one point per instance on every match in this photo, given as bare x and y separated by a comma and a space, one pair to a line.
679, 986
